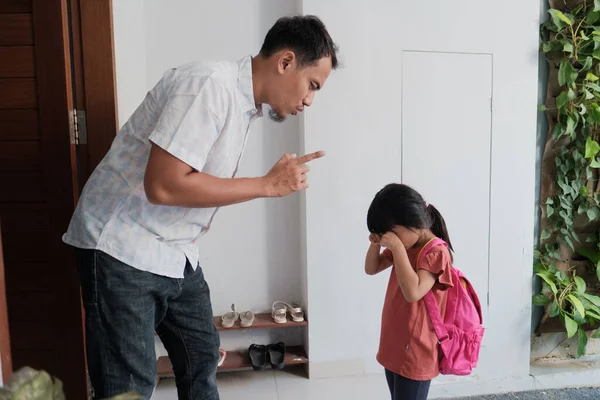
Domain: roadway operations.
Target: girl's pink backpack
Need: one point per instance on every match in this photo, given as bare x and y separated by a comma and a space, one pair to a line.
460, 332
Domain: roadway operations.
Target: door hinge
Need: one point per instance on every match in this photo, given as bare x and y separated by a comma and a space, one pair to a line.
78, 125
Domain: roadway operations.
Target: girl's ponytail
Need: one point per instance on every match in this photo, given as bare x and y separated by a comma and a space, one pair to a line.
438, 225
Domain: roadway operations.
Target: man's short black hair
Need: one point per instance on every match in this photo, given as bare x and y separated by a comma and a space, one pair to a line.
305, 35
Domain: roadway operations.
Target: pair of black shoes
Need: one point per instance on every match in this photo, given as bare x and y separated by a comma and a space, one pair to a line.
259, 355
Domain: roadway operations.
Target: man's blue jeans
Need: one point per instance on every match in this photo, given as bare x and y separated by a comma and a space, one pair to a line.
124, 306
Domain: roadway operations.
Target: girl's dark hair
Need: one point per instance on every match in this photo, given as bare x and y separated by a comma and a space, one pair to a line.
398, 204
304, 35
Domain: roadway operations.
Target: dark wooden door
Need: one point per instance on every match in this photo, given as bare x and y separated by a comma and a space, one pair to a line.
38, 191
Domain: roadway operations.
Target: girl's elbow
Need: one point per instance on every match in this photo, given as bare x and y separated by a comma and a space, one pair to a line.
412, 297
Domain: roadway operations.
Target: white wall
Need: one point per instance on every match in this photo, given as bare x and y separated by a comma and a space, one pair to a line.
359, 121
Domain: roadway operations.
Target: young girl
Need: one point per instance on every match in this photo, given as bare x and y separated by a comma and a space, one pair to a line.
400, 221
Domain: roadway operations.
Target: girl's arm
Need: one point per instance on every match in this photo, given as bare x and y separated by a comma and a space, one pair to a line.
376, 262
414, 285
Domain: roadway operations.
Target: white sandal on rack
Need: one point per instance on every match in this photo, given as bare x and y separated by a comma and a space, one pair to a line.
247, 319
281, 308
228, 319
279, 312
296, 312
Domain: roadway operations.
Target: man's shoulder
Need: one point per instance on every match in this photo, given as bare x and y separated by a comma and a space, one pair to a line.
222, 72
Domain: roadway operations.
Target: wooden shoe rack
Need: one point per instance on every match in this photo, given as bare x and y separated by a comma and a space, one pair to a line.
236, 360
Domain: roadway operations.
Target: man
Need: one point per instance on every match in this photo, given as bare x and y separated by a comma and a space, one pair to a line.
157, 190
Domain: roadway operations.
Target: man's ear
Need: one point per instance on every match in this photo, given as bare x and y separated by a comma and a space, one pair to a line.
286, 61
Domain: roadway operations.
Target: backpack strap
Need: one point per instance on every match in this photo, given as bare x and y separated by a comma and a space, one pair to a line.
430, 303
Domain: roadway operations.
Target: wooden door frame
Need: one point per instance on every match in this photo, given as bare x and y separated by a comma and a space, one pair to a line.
94, 78
94, 82
5, 357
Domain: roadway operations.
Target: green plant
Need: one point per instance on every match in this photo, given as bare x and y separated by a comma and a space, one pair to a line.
565, 293
571, 42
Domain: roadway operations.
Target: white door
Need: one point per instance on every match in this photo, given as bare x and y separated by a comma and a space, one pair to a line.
446, 149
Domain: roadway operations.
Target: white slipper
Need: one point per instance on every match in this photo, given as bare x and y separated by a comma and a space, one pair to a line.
279, 312
247, 319
228, 319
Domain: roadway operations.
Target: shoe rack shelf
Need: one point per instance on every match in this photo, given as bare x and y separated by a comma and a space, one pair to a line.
261, 321
238, 360
235, 360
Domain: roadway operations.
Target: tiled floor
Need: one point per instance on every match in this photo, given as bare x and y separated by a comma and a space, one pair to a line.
285, 385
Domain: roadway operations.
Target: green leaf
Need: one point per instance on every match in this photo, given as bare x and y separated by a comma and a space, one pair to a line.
566, 218
545, 235
571, 123
549, 200
595, 300
596, 5
562, 100
593, 86
548, 278
583, 35
557, 131
591, 77
542, 107
540, 300
562, 277
583, 109
588, 63
580, 283
571, 326
548, 47
554, 310
595, 164
592, 214
577, 304
591, 148
569, 242
566, 73
581, 342
571, 94
590, 255
567, 46
596, 334
592, 17
588, 94
539, 267
598, 271
558, 17
549, 210
594, 314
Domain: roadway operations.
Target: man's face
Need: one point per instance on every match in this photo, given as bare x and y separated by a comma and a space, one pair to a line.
294, 88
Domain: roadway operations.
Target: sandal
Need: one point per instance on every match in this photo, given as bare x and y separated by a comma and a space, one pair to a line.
257, 354
279, 312
246, 319
296, 312
277, 355
228, 319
